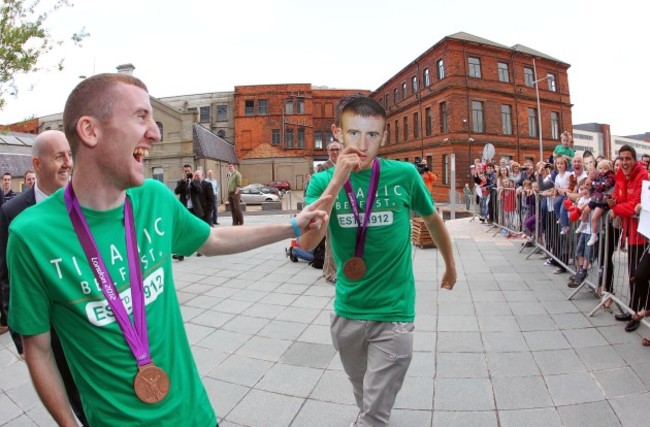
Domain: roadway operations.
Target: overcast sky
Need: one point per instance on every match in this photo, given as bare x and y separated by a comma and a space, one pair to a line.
195, 46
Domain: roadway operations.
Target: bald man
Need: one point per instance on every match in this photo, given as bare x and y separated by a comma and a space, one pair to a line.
52, 163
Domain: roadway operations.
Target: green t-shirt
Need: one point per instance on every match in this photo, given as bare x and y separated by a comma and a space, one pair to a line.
386, 293
52, 282
565, 151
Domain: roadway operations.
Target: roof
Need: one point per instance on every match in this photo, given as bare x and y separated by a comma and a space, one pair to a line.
14, 163
208, 145
641, 136
533, 52
589, 127
476, 39
17, 139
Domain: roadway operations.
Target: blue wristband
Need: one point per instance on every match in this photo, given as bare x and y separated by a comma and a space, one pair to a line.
294, 225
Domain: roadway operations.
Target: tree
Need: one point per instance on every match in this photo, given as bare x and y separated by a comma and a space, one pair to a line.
25, 40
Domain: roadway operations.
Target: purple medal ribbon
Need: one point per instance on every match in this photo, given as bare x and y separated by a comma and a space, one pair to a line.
136, 336
370, 200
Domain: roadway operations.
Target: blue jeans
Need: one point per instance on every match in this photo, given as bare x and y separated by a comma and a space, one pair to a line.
560, 211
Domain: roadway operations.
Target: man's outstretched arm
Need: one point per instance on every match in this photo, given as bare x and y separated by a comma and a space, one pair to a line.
230, 240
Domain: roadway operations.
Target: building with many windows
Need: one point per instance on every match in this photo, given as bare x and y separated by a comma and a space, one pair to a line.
282, 130
465, 92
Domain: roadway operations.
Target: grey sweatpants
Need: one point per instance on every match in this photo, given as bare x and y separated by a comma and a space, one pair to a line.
375, 356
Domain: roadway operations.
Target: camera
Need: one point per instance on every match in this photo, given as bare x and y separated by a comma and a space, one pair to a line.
420, 165
189, 175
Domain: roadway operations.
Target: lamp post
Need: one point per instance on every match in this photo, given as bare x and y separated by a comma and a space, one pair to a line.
539, 110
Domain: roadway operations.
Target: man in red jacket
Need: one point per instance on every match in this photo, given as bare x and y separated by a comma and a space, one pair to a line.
625, 203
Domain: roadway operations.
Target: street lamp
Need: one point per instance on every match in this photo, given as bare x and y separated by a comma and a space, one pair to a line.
539, 110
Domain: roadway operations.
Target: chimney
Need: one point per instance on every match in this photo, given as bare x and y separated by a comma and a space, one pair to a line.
125, 69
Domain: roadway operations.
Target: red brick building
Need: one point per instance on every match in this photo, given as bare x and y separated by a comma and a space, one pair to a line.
465, 92
282, 130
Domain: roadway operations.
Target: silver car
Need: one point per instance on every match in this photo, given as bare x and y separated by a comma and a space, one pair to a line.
254, 196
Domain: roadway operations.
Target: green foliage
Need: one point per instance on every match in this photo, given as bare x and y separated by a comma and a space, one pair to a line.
25, 40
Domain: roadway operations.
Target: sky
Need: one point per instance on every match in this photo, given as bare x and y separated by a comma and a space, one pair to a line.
200, 46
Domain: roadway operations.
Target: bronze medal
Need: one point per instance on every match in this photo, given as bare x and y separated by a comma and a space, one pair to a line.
151, 384
354, 268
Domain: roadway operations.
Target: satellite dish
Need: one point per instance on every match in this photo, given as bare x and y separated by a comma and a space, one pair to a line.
488, 152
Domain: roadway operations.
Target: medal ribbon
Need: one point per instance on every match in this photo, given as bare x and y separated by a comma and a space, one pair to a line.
136, 336
370, 200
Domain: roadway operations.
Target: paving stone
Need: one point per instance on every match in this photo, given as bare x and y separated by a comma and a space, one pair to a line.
602, 357
632, 410
463, 394
462, 365
546, 417
245, 371
619, 382
450, 342
587, 337
546, 340
315, 413
334, 386
517, 364
264, 348
258, 407
290, 380
298, 314
504, 341
224, 396
536, 322
491, 308
416, 393
568, 389
498, 324
571, 320
464, 418
553, 362
309, 354
521, 393
246, 325
593, 414
457, 323
282, 330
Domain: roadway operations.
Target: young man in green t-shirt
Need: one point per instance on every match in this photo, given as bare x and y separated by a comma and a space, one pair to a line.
374, 308
88, 257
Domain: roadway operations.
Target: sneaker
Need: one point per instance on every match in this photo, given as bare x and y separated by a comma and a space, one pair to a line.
565, 230
582, 227
4, 329
580, 277
559, 270
593, 239
549, 261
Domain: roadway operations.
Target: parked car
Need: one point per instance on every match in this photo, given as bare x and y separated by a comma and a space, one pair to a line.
281, 185
264, 189
253, 196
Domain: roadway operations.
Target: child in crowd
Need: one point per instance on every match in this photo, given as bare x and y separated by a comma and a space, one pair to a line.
583, 250
484, 193
508, 199
601, 187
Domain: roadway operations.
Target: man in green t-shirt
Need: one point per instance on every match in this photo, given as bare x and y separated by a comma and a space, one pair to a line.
374, 308
564, 150
91, 255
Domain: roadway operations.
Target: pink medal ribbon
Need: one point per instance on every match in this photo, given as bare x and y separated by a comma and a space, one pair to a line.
355, 267
151, 383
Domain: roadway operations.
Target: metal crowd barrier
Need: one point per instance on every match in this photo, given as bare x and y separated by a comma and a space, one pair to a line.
610, 259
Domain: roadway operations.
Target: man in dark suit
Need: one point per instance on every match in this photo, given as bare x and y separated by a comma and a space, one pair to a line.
189, 192
207, 197
52, 161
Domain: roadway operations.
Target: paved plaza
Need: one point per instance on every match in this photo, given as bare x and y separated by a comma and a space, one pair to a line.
504, 348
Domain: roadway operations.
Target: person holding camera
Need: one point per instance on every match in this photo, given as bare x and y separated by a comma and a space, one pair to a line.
189, 193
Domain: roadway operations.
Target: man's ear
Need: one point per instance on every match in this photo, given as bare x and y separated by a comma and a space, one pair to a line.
36, 164
87, 129
338, 133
